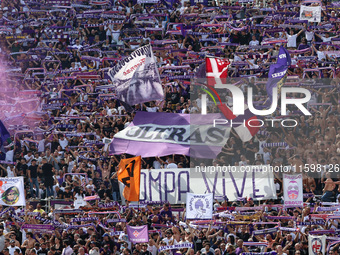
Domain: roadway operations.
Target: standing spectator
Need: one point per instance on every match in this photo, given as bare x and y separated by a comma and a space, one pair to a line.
32, 174
47, 170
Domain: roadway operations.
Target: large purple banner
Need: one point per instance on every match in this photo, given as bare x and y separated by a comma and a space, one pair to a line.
160, 134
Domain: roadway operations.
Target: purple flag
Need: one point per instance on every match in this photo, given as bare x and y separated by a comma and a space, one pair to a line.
277, 72
4, 134
138, 234
169, 3
159, 134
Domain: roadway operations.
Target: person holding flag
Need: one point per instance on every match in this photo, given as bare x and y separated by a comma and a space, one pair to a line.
278, 73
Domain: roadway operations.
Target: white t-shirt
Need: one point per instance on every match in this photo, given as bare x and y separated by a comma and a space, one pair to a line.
309, 35
41, 145
325, 39
254, 43
152, 109
78, 47
112, 111
115, 35
156, 164
10, 173
90, 186
63, 143
153, 249
167, 240
172, 165
72, 111
12, 249
67, 251
108, 32
79, 201
278, 187
9, 156
28, 159
243, 163
321, 55
291, 40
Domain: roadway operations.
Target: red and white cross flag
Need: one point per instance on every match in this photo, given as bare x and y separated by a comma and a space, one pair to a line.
216, 70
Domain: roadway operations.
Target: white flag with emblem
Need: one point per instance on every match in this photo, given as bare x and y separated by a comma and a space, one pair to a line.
316, 244
293, 190
199, 206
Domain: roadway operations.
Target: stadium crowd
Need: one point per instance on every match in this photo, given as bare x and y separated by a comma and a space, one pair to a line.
62, 113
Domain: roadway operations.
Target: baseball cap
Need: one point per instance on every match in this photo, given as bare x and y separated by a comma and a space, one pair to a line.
12, 241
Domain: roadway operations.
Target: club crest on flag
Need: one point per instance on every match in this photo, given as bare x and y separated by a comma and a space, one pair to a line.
293, 190
316, 245
138, 234
135, 233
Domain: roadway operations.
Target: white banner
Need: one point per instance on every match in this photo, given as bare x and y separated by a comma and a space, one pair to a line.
316, 244
173, 184
293, 190
199, 206
12, 191
310, 13
136, 78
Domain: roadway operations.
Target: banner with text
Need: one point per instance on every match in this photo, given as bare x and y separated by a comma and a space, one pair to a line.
136, 78
173, 184
159, 134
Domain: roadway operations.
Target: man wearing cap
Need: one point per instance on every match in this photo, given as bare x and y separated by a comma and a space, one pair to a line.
32, 174
12, 247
